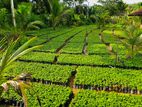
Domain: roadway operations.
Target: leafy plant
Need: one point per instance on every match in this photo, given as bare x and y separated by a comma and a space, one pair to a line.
3, 17
35, 25
53, 73
18, 85
9, 56
132, 40
93, 98
109, 77
55, 8
47, 95
26, 17
2, 44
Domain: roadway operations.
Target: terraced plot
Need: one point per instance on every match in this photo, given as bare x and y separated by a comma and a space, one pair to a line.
64, 76
116, 79
48, 95
102, 99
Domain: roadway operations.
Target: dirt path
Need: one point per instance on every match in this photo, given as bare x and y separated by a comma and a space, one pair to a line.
80, 64
84, 49
49, 39
67, 41
71, 84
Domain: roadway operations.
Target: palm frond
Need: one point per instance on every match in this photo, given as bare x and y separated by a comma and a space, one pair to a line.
11, 56
58, 18
2, 41
23, 47
23, 76
22, 89
18, 85
35, 25
6, 55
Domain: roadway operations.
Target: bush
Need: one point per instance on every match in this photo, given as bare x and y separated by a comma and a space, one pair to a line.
3, 17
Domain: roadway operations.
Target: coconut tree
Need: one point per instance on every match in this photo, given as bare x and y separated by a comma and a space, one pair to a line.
56, 10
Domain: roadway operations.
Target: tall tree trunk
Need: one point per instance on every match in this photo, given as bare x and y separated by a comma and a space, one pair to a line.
13, 13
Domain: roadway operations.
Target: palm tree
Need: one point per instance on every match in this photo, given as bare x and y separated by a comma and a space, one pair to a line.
109, 47
10, 55
56, 10
2, 44
132, 40
26, 22
19, 86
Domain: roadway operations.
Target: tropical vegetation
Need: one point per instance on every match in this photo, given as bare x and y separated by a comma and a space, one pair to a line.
70, 53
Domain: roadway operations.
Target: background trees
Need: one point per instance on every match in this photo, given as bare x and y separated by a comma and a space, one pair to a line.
115, 7
49, 11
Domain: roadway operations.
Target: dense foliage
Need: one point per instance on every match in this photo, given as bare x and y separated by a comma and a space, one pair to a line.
78, 46
87, 98
48, 95
109, 77
54, 73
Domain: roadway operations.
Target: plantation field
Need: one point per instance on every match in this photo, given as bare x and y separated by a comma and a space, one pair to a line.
75, 69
